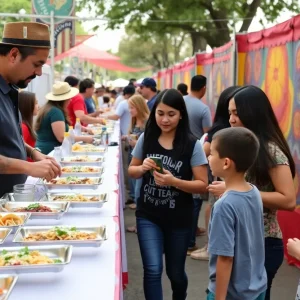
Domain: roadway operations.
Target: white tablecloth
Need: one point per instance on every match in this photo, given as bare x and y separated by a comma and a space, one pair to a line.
94, 273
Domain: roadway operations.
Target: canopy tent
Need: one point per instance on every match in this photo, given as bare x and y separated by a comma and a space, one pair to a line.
84, 51
115, 65
79, 39
120, 82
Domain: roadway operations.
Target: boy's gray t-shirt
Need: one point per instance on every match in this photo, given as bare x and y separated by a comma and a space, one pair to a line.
199, 115
236, 229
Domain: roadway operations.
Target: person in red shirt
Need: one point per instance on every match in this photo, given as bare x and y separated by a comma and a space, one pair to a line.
28, 106
76, 107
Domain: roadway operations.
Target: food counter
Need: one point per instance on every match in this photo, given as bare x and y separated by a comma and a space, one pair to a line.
94, 272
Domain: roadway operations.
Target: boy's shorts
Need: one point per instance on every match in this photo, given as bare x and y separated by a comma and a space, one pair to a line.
211, 296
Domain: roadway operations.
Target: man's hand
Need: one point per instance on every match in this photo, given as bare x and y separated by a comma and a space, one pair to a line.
87, 130
38, 156
46, 169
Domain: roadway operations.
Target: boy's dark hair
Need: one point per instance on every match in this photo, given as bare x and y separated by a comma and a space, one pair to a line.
183, 88
85, 84
238, 144
24, 51
72, 81
113, 92
198, 82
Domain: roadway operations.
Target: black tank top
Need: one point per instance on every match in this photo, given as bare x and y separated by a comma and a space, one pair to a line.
167, 205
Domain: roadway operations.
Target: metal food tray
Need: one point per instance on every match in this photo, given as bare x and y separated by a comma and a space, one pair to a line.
85, 174
62, 252
24, 231
102, 199
61, 207
7, 284
24, 216
97, 180
100, 151
4, 233
67, 161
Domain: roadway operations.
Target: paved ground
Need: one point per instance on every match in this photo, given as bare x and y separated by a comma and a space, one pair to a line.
284, 287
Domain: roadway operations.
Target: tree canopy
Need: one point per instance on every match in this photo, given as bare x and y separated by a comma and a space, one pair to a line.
205, 21
14, 6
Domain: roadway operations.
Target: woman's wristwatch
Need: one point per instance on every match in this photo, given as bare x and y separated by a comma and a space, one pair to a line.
34, 149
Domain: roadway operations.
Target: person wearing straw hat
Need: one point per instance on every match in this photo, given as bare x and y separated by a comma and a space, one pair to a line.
23, 51
53, 120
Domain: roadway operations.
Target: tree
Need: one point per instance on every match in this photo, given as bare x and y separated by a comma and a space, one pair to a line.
79, 29
14, 6
159, 51
205, 21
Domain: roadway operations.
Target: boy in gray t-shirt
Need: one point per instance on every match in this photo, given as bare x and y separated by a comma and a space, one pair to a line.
236, 229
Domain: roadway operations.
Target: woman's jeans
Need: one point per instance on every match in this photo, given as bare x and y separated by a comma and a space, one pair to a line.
154, 240
273, 260
197, 208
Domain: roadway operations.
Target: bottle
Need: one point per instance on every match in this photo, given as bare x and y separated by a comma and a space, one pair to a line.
57, 154
66, 145
77, 129
72, 134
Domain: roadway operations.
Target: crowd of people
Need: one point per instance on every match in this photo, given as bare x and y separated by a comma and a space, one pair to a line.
175, 156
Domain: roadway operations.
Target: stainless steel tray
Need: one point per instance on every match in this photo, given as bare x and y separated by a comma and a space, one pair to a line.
4, 233
102, 198
24, 231
95, 160
7, 284
62, 252
24, 216
97, 181
98, 173
95, 150
60, 207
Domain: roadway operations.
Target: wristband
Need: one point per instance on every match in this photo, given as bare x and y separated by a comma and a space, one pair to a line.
34, 149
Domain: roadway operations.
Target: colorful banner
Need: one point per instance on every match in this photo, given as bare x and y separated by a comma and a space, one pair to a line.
64, 34
183, 72
270, 59
63, 8
165, 79
218, 67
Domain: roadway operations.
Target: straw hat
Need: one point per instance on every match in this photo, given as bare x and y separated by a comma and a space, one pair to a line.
30, 34
61, 91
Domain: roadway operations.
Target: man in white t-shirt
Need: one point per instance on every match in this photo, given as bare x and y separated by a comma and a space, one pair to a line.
122, 111
119, 99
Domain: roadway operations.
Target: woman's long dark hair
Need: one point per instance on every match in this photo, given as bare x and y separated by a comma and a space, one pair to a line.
47, 107
221, 118
26, 107
183, 135
255, 112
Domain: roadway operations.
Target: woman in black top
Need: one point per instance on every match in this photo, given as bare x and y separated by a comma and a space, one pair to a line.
165, 206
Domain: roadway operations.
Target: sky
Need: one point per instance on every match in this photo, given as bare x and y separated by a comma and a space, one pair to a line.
111, 38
